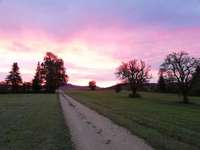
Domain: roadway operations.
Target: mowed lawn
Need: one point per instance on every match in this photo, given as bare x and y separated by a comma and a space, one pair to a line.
160, 119
32, 122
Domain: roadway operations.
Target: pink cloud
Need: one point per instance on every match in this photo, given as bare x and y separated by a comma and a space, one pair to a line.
95, 53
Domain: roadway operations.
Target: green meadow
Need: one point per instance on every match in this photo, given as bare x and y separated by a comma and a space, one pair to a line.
160, 119
32, 122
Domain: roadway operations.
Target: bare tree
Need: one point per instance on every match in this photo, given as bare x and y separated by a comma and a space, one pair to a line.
181, 67
135, 72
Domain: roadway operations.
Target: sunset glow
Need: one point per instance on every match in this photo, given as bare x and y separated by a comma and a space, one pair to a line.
94, 37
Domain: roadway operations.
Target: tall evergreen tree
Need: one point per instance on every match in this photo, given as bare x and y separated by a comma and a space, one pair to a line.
14, 79
37, 81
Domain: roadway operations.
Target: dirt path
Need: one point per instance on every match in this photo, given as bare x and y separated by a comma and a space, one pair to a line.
91, 131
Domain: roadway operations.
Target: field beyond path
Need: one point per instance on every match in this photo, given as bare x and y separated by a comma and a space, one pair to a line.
91, 131
160, 119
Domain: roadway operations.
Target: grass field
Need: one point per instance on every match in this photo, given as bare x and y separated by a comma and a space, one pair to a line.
158, 118
32, 122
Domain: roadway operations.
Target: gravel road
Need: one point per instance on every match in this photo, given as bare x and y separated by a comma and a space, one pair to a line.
92, 131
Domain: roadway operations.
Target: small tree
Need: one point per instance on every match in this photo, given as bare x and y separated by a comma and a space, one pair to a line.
181, 67
135, 72
37, 81
161, 81
14, 79
92, 85
196, 82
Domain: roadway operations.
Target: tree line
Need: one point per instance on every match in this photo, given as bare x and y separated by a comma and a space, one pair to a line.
50, 74
178, 73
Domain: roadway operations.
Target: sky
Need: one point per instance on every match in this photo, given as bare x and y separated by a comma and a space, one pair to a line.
93, 37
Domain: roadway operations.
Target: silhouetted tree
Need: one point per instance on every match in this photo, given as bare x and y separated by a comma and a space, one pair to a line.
14, 79
37, 81
180, 67
92, 85
196, 82
53, 72
161, 81
171, 84
135, 72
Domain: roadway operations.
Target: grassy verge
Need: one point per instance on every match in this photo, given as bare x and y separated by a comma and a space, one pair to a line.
32, 122
158, 118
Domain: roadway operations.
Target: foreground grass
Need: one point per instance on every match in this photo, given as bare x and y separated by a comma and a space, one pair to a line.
158, 118
32, 122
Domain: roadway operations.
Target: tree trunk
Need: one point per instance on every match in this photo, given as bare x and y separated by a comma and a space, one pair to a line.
133, 90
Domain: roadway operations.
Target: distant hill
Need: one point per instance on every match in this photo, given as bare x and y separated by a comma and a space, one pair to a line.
125, 86
72, 86
146, 87
77, 87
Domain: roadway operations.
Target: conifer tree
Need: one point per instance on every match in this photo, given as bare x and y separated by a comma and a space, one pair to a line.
37, 81
161, 82
14, 79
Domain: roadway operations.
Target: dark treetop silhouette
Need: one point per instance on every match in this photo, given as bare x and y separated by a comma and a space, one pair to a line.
161, 81
50, 74
14, 79
53, 72
196, 82
37, 81
180, 67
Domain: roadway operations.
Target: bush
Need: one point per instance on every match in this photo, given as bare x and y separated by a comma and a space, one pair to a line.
118, 88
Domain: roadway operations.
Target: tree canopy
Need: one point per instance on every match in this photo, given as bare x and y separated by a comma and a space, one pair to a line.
92, 85
136, 72
53, 72
180, 67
